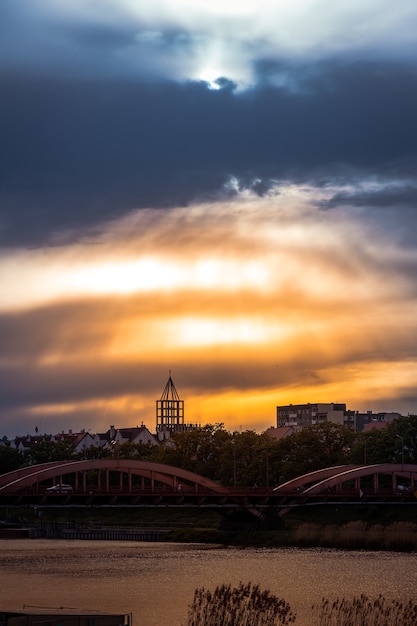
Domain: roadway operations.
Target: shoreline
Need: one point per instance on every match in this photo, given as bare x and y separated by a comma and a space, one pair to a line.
389, 528
398, 537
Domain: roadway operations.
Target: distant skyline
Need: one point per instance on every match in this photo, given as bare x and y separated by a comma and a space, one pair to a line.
224, 190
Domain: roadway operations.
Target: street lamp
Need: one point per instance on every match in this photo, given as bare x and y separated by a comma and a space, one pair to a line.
234, 462
402, 449
266, 450
267, 467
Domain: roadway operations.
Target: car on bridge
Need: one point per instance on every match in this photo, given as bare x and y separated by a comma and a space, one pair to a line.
59, 489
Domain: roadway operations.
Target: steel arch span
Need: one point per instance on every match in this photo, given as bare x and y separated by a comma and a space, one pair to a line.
132, 474
311, 478
344, 478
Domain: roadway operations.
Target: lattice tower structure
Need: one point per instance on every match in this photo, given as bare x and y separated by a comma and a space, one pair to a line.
170, 409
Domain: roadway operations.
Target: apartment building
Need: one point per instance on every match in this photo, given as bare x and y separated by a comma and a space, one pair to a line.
301, 415
364, 420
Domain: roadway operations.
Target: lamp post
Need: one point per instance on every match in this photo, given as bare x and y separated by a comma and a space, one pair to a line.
266, 450
267, 467
234, 462
402, 450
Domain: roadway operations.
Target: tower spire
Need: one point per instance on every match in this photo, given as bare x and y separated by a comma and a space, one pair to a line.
170, 392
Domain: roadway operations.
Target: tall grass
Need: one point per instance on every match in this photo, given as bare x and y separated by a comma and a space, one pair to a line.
356, 534
245, 605
363, 611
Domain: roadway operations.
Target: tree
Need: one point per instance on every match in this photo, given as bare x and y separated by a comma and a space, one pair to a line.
402, 434
337, 441
94, 452
138, 451
314, 448
10, 459
249, 459
386, 445
45, 451
197, 450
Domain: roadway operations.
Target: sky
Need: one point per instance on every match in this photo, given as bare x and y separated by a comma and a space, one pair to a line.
226, 191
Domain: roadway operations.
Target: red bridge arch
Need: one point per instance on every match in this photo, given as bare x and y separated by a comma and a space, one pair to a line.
335, 479
38, 477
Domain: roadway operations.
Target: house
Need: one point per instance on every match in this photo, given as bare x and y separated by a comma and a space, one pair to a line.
27, 442
137, 435
119, 436
80, 441
280, 433
374, 426
83, 441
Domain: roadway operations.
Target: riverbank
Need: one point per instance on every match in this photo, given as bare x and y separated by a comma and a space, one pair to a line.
398, 537
351, 527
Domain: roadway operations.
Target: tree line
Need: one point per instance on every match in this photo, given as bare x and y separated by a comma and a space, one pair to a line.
247, 458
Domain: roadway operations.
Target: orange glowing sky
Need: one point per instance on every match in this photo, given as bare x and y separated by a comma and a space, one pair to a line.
247, 313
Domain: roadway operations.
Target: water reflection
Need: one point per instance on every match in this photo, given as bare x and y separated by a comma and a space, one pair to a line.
156, 582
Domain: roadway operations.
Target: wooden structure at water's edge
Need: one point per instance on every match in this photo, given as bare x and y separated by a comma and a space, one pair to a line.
62, 617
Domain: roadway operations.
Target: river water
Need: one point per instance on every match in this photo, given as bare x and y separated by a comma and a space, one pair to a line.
155, 582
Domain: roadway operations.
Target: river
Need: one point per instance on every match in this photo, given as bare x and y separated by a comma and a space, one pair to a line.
155, 582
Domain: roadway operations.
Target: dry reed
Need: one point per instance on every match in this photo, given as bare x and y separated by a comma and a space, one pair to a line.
356, 534
245, 605
363, 611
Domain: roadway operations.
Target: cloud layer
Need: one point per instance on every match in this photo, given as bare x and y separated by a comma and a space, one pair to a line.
251, 303
227, 191
182, 40
82, 153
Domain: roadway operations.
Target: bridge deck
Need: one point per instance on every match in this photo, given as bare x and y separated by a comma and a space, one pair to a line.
124, 482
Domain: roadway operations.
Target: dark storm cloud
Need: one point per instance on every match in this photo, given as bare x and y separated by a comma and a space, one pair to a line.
388, 207
387, 196
95, 40
53, 39
75, 154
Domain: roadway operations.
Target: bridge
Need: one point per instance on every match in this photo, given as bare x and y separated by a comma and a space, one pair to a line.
142, 483
382, 482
